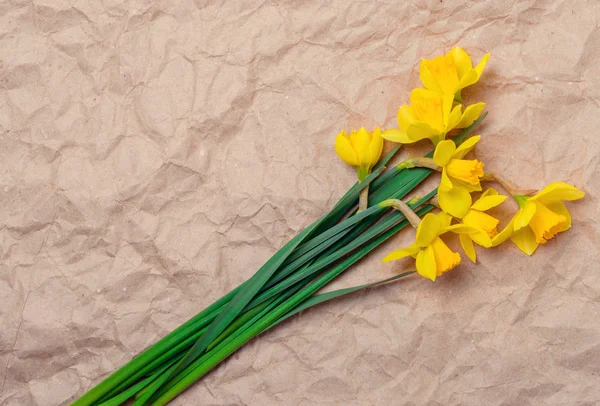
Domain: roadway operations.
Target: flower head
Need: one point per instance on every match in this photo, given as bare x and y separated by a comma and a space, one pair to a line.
433, 257
460, 177
432, 116
485, 224
540, 217
360, 149
451, 73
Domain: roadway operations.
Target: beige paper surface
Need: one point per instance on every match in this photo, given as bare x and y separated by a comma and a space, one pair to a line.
154, 154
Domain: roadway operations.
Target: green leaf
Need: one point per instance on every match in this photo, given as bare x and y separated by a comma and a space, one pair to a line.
209, 360
318, 244
146, 357
232, 309
122, 397
384, 161
239, 302
248, 323
326, 260
346, 202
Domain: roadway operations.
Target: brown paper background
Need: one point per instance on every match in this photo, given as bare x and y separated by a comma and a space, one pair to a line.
153, 154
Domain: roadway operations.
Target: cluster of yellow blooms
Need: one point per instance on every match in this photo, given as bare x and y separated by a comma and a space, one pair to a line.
433, 112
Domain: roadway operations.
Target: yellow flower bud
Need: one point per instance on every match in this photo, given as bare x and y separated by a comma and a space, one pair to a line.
360, 149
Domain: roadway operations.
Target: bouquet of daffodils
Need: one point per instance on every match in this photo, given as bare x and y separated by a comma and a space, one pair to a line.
373, 210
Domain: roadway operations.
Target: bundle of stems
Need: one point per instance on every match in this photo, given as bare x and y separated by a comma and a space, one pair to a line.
286, 284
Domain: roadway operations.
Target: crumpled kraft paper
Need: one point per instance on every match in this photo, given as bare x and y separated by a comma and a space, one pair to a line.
154, 154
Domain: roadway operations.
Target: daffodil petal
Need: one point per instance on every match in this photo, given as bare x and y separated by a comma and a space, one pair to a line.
375, 147
487, 202
344, 149
443, 152
470, 114
426, 263
439, 74
469, 187
466, 147
361, 140
468, 247
460, 229
481, 65
524, 215
427, 78
455, 201
420, 130
401, 253
454, 117
504, 234
445, 181
427, 230
489, 192
396, 135
431, 108
481, 238
558, 191
468, 79
406, 115
445, 220
462, 61
559, 207
422, 95
483, 222
525, 240
447, 103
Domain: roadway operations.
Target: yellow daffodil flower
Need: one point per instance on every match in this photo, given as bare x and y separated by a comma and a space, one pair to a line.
540, 217
433, 257
451, 73
360, 149
485, 224
432, 116
460, 177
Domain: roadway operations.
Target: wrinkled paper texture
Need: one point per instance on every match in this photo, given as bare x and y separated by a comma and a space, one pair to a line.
154, 154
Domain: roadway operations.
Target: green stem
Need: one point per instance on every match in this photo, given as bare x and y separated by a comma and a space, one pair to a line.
419, 162
363, 199
403, 208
